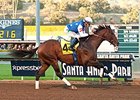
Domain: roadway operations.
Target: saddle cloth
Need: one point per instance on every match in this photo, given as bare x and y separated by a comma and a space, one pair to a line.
65, 47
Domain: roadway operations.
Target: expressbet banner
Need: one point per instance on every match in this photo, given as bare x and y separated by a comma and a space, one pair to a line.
120, 69
25, 68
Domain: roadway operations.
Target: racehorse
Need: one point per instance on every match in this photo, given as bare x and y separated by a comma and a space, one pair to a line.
50, 52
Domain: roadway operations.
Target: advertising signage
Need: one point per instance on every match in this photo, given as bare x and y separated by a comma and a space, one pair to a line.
25, 68
119, 68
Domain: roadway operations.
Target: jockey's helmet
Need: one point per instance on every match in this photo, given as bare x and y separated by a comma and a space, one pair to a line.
88, 19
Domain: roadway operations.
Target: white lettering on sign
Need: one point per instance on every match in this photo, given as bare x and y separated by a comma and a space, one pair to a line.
121, 70
125, 56
72, 70
130, 40
7, 23
114, 56
133, 31
102, 56
19, 68
92, 71
133, 35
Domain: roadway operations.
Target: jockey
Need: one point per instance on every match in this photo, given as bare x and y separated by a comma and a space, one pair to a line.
78, 29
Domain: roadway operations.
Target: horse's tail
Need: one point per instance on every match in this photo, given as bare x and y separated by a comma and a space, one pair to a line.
23, 53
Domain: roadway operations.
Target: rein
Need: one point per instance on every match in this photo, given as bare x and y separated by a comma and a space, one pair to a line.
99, 36
102, 37
89, 36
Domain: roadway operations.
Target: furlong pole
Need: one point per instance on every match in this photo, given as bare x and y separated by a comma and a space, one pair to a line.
37, 23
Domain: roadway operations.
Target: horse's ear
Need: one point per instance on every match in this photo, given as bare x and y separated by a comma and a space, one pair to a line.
108, 26
100, 26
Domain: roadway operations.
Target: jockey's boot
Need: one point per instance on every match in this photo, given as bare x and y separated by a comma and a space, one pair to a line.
73, 43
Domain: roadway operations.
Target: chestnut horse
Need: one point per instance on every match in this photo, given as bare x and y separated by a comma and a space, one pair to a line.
50, 52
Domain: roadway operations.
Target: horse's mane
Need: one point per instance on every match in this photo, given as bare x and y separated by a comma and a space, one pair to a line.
100, 27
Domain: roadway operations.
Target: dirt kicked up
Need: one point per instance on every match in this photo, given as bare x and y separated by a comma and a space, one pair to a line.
56, 90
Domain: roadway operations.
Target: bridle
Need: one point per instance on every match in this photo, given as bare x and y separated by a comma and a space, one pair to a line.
97, 35
110, 40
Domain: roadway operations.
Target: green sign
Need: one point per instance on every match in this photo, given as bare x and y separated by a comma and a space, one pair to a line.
128, 37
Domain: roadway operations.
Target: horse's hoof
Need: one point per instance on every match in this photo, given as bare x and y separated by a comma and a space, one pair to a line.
73, 87
101, 81
114, 79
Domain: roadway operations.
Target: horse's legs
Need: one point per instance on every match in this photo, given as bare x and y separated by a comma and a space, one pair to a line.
39, 73
100, 66
59, 74
102, 70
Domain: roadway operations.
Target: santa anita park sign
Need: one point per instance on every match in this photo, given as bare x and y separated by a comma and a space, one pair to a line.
121, 68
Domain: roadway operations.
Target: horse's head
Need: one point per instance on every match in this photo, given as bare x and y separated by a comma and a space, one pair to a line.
108, 34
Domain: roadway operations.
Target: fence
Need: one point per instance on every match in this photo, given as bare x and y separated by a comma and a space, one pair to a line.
119, 64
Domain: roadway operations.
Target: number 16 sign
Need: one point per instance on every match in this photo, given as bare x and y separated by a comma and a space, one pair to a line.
11, 29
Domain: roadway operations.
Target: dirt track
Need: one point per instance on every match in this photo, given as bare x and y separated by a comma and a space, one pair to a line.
56, 90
